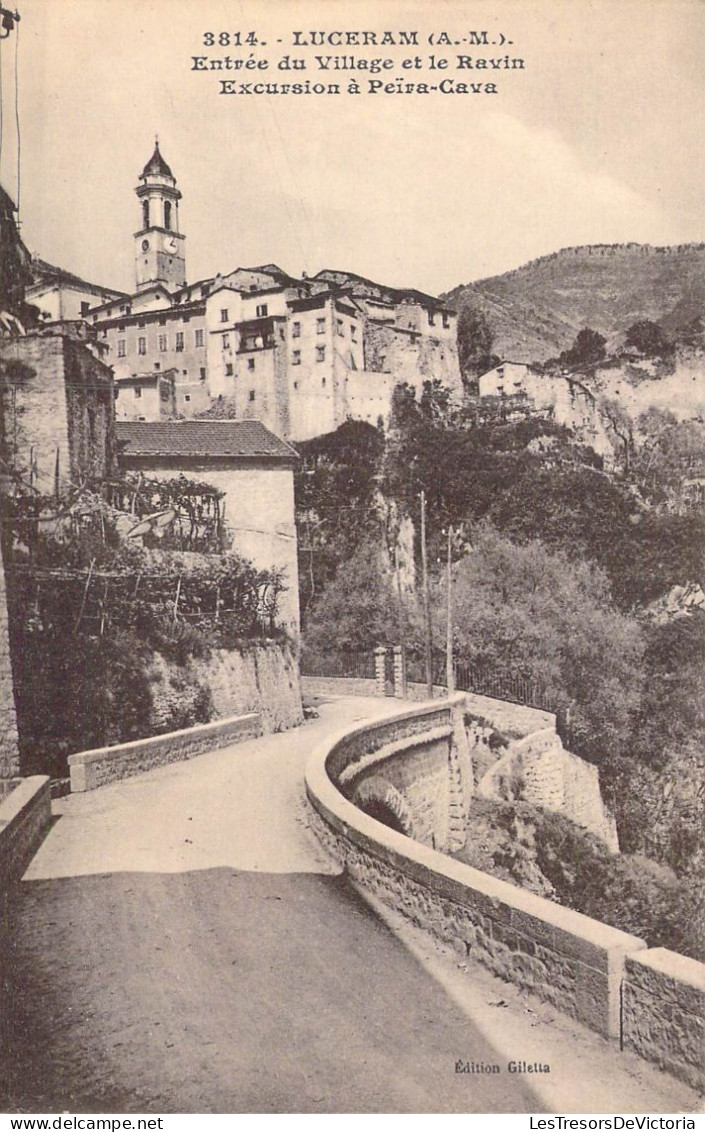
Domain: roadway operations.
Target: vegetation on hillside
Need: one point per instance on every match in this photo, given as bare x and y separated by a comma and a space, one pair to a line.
104, 630
532, 313
555, 564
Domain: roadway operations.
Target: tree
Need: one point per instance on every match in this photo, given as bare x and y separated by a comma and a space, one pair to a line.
547, 619
648, 338
474, 343
358, 609
621, 428
587, 350
668, 451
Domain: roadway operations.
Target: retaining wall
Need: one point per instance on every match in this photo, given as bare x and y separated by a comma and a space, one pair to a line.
90, 769
663, 1012
570, 960
25, 813
337, 686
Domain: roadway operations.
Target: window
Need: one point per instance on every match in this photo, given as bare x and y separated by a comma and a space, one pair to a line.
228, 369
320, 353
224, 315
142, 346
250, 363
162, 343
262, 310
85, 307
187, 396
145, 214
199, 338
226, 341
296, 385
251, 395
320, 326
157, 365
162, 322
446, 321
353, 332
138, 391
167, 214
296, 330
339, 327
431, 318
202, 373
323, 381
141, 322
296, 358
179, 339
121, 347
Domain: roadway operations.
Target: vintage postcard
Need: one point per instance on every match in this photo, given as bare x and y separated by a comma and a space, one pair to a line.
352, 629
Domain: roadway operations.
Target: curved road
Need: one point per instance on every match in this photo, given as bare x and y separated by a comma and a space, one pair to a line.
180, 944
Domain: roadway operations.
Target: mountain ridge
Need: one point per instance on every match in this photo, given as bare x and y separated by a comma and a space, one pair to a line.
535, 310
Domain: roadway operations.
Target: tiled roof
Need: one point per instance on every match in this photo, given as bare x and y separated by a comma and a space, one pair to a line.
246, 440
44, 272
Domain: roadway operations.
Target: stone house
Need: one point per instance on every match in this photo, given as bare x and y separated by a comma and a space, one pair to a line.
254, 469
301, 355
60, 295
146, 396
560, 396
58, 410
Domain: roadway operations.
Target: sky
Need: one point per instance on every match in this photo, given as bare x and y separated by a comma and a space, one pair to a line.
598, 139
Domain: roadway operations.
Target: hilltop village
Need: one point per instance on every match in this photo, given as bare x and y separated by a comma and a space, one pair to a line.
299, 355
227, 502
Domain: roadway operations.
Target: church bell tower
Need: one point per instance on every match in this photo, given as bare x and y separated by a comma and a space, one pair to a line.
159, 246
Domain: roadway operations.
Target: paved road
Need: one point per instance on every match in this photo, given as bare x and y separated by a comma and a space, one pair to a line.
180, 944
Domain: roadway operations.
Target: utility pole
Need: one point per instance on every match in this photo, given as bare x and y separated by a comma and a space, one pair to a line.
402, 621
450, 667
426, 601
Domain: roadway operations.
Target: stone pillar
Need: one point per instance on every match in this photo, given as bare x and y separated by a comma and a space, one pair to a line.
380, 670
399, 672
9, 742
460, 781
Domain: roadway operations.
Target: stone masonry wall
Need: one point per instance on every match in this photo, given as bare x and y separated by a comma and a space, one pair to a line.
9, 747
653, 1000
561, 956
63, 405
663, 1012
419, 774
36, 424
260, 677
537, 769
25, 814
90, 769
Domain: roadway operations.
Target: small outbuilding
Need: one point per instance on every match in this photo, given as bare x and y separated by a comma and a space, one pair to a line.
250, 465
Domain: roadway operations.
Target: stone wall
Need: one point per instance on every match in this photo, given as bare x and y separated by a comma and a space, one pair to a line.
261, 677
25, 813
337, 686
90, 769
654, 1000
9, 745
63, 405
663, 1012
562, 956
537, 769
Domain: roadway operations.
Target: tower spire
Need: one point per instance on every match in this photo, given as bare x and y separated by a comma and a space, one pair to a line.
159, 246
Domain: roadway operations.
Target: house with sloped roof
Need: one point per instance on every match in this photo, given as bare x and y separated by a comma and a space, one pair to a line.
61, 296
251, 466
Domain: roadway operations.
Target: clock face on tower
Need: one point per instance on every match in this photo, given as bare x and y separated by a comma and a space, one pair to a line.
170, 245
145, 245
